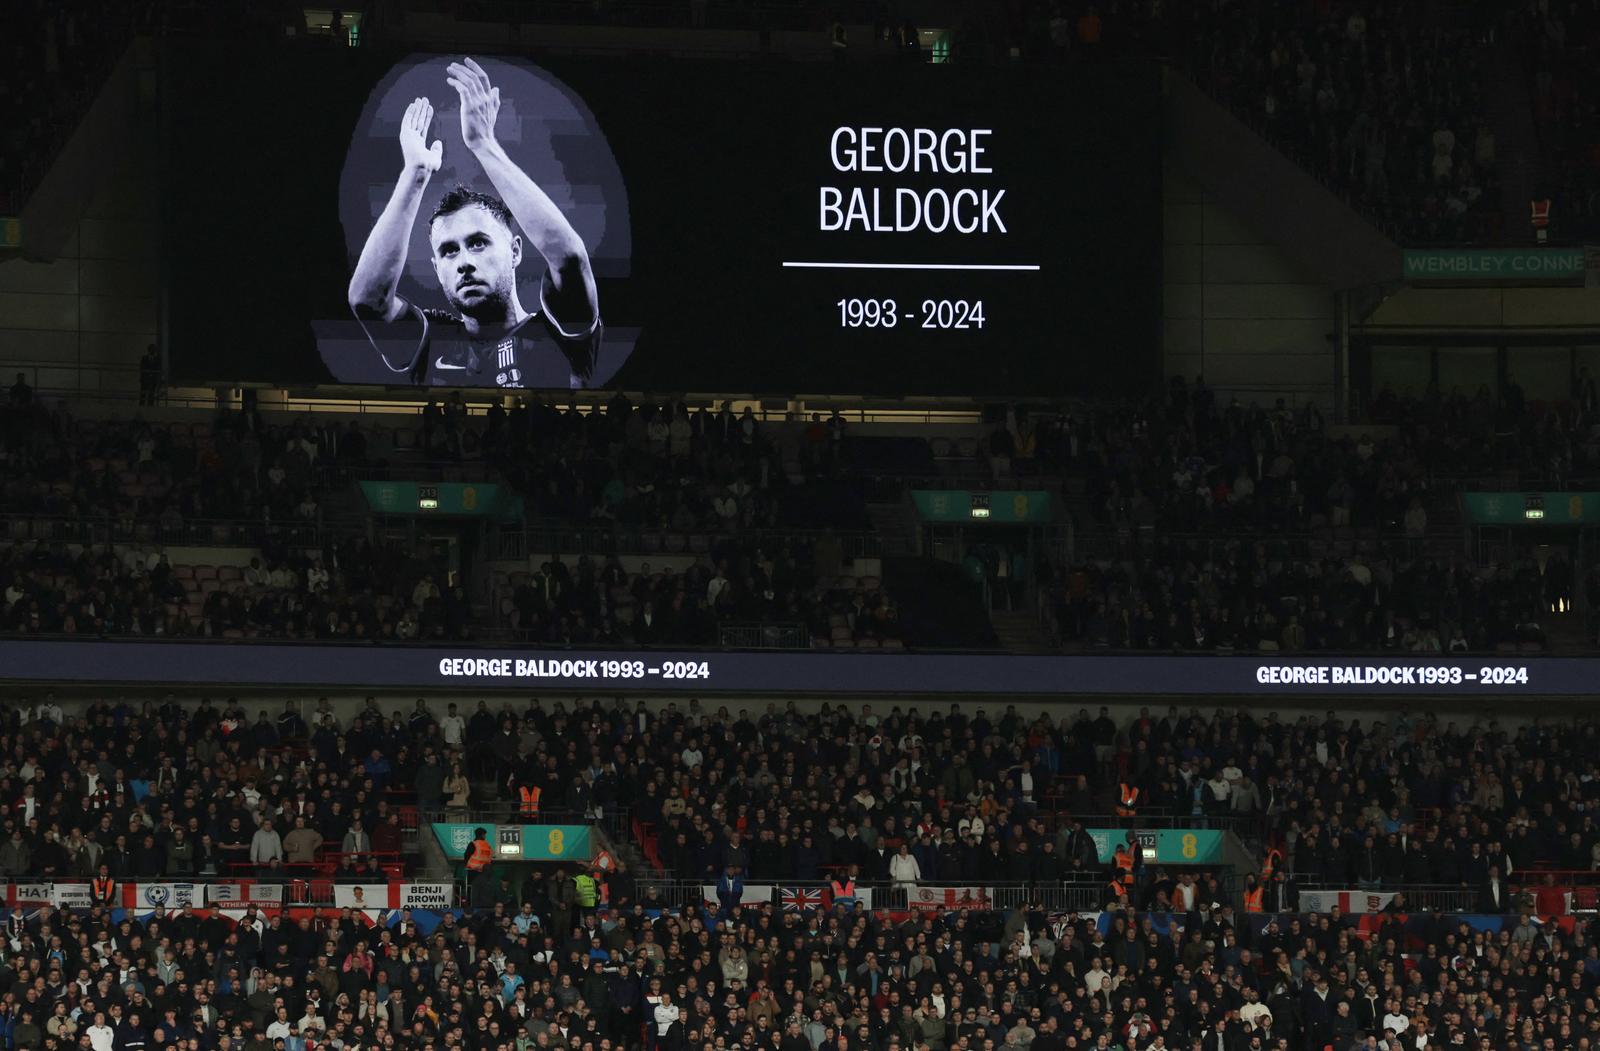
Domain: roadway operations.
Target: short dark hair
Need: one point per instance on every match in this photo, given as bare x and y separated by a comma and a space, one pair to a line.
460, 197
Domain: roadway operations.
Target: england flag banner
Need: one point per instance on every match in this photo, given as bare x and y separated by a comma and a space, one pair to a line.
948, 898
361, 895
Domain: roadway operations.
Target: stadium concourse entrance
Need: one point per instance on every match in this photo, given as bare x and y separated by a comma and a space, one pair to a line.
1540, 547
441, 551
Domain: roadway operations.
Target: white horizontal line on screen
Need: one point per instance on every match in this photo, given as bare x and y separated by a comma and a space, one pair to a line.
794, 265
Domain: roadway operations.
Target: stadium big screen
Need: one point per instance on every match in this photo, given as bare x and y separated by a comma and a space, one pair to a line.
347, 216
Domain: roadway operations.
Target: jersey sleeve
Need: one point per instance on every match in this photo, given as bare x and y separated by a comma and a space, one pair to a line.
579, 344
402, 344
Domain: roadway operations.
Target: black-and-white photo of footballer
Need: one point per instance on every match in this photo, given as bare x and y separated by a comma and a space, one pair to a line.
483, 335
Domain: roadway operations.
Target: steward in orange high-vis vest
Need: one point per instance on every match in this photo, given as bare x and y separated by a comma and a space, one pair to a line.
479, 853
529, 797
1127, 800
102, 889
1122, 861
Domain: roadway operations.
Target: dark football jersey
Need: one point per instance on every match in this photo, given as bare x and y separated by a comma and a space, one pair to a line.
533, 354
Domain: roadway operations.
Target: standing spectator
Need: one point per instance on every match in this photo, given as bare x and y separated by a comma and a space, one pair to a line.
266, 848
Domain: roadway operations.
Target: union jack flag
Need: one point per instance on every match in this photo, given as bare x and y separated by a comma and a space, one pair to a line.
798, 899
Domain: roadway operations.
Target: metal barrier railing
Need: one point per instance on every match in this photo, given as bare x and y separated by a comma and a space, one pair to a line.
128, 529
560, 538
781, 636
265, 890
1433, 897
1076, 896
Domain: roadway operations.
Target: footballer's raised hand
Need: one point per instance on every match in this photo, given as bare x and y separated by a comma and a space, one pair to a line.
419, 156
480, 102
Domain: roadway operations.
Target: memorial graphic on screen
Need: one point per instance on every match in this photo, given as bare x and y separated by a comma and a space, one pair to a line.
656, 224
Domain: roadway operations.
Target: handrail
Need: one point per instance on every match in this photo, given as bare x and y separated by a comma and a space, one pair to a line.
1064, 896
557, 538
639, 14
765, 635
288, 890
150, 529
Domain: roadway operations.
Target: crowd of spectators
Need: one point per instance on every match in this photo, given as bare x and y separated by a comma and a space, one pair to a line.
173, 479
93, 501
1272, 595
1407, 800
1381, 100
177, 788
753, 505
791, 580
664, 465
731, 520
1559, 42
92, 505
1224, 526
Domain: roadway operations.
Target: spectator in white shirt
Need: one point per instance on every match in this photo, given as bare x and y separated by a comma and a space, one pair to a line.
49, 710
903, 867
452, 727
666, 1015
279, 1029
100, 1034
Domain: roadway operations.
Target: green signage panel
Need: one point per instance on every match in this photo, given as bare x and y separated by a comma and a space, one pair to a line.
10, 232
438, 498
964, 505
1494, 264
1173, 846
1532, 509
519, 842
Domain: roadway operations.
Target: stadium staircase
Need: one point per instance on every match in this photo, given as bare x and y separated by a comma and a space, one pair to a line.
1313, 226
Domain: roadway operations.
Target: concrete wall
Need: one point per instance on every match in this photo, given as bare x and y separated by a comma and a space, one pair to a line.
1236, 308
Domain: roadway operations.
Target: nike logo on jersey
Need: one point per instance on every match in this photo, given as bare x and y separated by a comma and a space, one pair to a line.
440, 363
